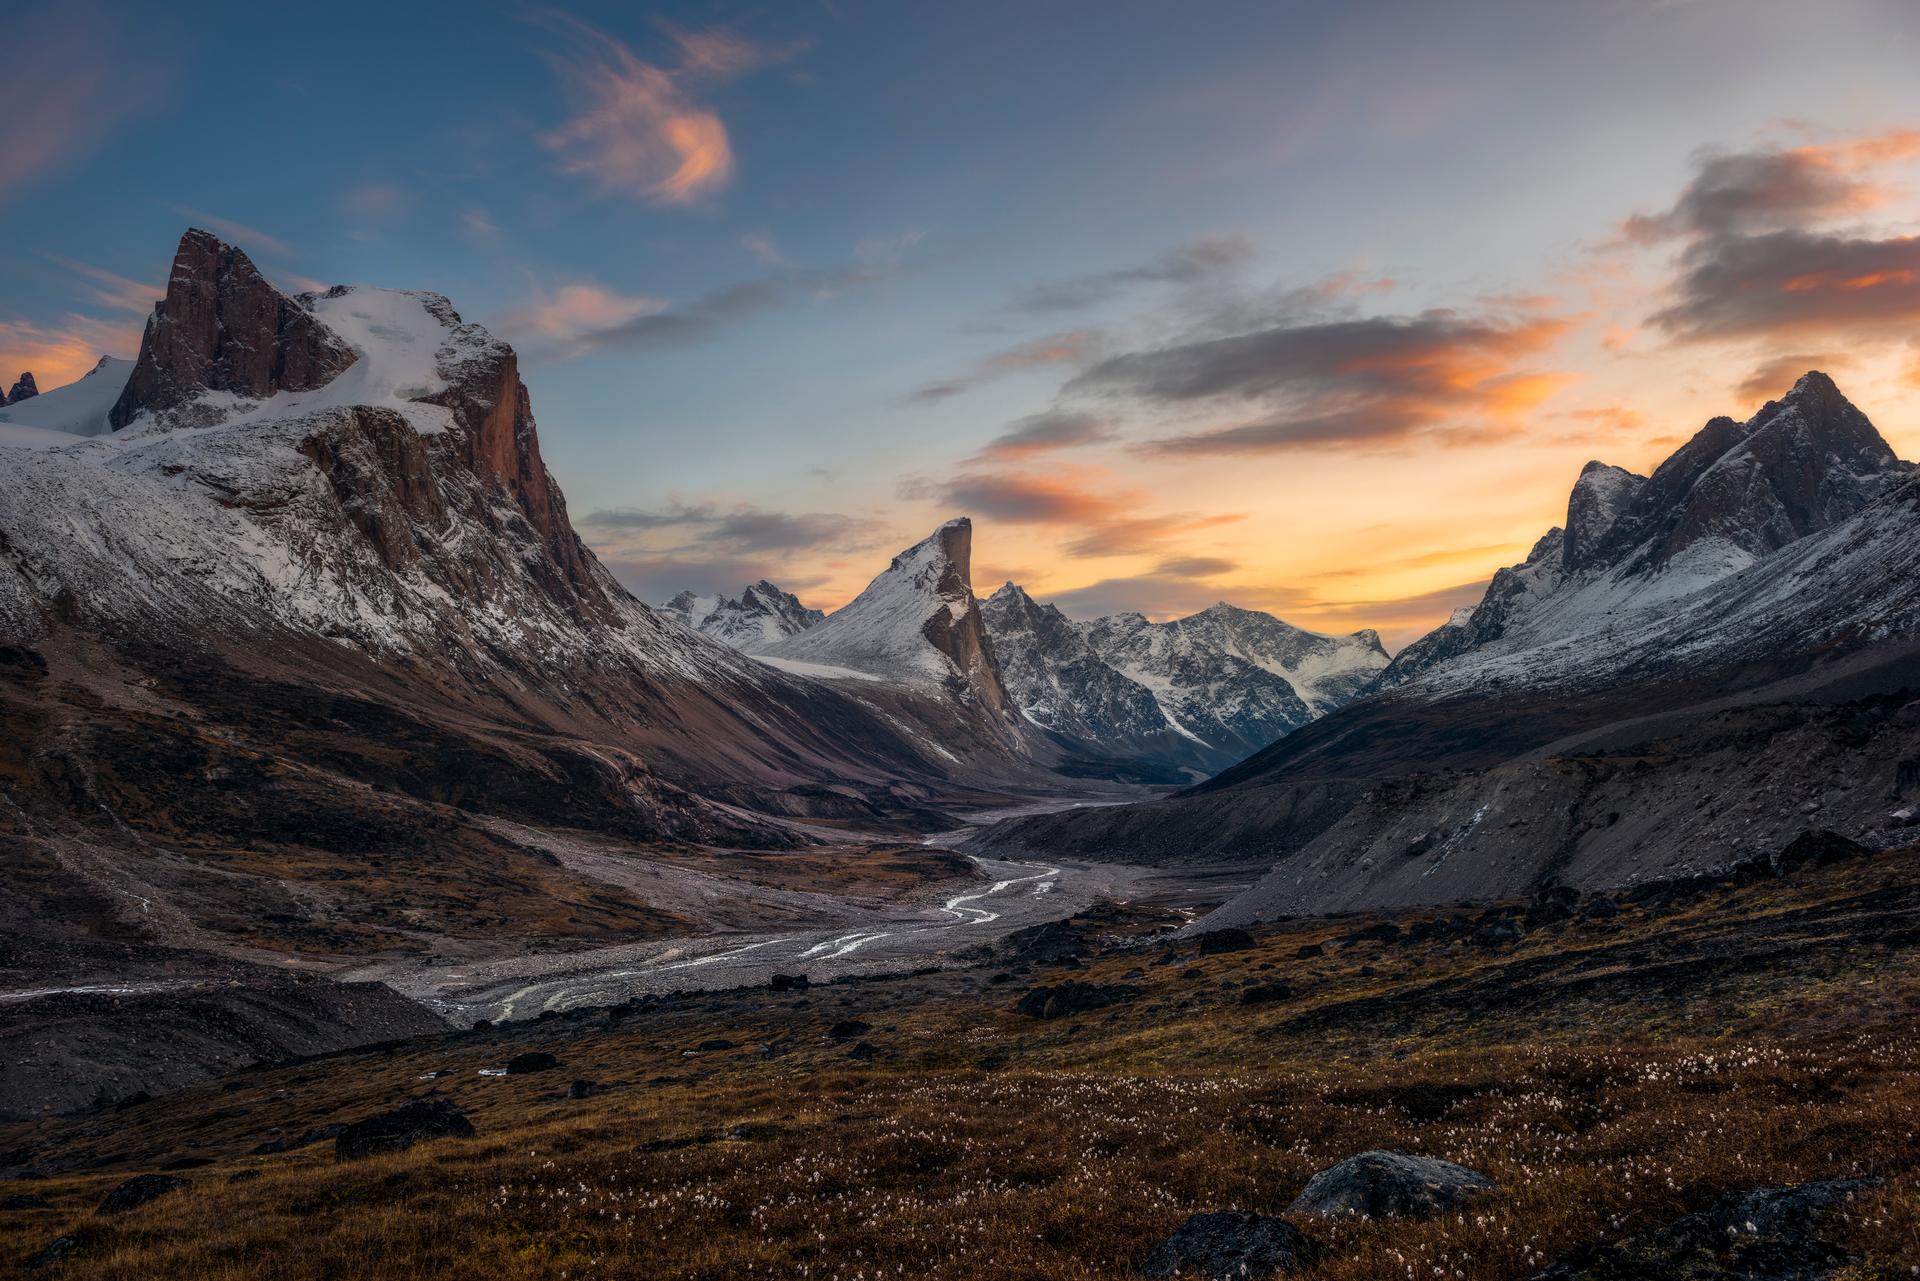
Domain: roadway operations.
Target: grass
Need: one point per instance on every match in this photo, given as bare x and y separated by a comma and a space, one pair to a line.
1609, 1076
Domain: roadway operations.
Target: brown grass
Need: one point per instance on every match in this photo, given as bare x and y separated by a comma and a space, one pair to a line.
1605, 1088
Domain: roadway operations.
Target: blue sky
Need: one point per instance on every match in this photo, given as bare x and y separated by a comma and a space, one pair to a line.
1312, 307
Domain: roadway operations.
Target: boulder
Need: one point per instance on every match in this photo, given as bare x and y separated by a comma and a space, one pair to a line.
1228, 1245
1765, 1234
1214, 942
847, 1029
139, 1190
582, 1090
56, 1250
1260, 993
531, 1061
401, 1128
1307, 951
1389, 1185
1073, 997
24, 1201
789, 982
714, 1044
862, 1051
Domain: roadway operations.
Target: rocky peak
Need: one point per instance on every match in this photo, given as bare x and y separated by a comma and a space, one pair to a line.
24, 388
1601, 496
763, 616
223, 327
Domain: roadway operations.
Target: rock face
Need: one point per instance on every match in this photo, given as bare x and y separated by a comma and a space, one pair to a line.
222, 327
24, 388
1198, 692
1389, 1185
1227, 1245
395, 1131
1769, 1234
760, 617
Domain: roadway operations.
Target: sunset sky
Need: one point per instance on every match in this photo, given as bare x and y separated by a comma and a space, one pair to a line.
1315, 308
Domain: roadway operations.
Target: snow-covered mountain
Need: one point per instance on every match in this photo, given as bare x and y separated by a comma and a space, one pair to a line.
1199, 692
345, 490
761, 616
1701, 664
1679, 568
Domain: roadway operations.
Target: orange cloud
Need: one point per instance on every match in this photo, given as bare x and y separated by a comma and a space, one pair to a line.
57, 355
637, 129
559, 317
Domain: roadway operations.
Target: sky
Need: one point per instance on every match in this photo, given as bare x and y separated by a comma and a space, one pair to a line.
1312, 308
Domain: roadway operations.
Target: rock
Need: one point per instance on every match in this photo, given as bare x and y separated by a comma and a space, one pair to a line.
1214, 942
24, 388
25, 1201
847, 1029
1193, 972
583, 1090
1389, 1185
222, 327
714, 1044
1766, 1234
1307, 951
1499, 932
56, 1250
243, 1176
139, 1190
1227, 1245
789, 982
1053, 943
401, 1128
862, 1051
1073, 997
531, 1061
1599, 908
1260, 993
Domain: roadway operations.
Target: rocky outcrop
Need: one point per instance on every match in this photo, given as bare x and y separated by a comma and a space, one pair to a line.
760, 617
395, 1131
24, 388
1232, 1245
1389, 1185
223, 327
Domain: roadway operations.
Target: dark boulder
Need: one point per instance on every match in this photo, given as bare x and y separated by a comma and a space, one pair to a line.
1500, 931
1214, 942
1053, 943
1261, 993
862, 1051
847, 1029
56, 1250
1227, 1245
139, 1190
714, 1044
789, 982
1307, 951
1767, 1234
583, 1090
531, 1061
1073, 997
401, 1128
1389, 1185
24, 1201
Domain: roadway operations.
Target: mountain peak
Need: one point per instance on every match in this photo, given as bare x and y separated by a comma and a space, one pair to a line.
24, 388
223, 327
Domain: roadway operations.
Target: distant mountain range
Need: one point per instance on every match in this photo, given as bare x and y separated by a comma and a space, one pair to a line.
1117, 696
1697, 666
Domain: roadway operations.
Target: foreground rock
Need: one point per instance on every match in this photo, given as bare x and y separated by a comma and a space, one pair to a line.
1389, 1185
531, 1061
139, 1190
1227, 1245
1768, 1234
1073, 997
400, 1129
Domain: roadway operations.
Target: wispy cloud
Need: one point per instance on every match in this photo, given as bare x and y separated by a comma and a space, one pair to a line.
1071, 347
1046, 432
710, 547
1369, 381
639, 128
1198, 260
109, 289
562, 316
72, 78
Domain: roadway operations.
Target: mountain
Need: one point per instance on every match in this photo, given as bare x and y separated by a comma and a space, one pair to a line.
24, 388
1197, 693
304, 661
761, 616
1699, 664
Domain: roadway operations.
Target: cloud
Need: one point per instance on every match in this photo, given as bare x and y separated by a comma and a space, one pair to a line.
707, 547
1138, 535
1044, 432
668, 326
479, 227
57, 354
1190, 263
638, 129
1019, 498
1196, 567
1074, 346
565, 316
743, 528
238, 233
1757, 259
108, 289
1372, 380
74, 77
761, 246
1793, 282
1774, 375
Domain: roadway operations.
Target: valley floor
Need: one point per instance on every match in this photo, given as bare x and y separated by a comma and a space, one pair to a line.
1610, 1071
